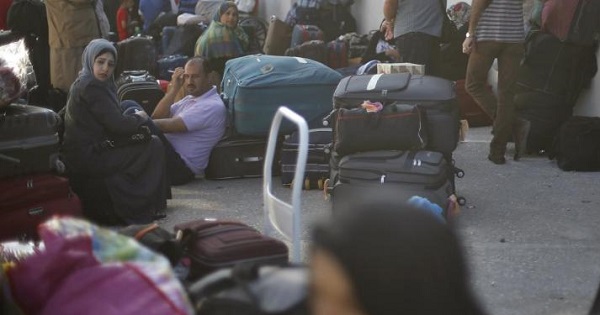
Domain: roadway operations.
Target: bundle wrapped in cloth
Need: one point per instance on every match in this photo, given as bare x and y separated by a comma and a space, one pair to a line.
400, 67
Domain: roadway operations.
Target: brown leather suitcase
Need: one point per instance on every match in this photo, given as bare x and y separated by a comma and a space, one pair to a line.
469, 109
279, 37
212, 244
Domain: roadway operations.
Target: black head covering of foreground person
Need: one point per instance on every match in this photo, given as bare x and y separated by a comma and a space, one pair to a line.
398, 260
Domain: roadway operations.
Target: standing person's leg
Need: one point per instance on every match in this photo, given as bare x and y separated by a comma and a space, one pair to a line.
177, 171
480, 61
509, 60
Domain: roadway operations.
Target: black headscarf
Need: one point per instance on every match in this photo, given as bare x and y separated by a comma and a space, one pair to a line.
400, 260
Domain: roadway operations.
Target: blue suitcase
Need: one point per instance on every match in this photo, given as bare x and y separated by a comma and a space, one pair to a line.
255, 86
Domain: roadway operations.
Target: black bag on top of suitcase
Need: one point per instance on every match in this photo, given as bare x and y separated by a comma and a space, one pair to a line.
29, 140
395, 127
140, 86
435, 96
317, 162
392, 175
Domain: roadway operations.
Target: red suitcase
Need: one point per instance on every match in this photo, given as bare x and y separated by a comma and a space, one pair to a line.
337, 54
27, 201
469, 109
305, 33
212, 244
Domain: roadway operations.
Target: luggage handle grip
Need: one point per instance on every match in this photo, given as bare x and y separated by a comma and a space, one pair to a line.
9, 159
36, 211
250, 159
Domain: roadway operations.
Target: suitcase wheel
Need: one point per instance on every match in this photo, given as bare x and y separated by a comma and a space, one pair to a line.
307, 183
326, 189
321, 183
460, 173
461, 201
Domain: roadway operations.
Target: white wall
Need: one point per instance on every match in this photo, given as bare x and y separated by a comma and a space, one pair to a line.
369, 13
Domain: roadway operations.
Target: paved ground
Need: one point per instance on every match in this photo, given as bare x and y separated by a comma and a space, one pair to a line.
529, 229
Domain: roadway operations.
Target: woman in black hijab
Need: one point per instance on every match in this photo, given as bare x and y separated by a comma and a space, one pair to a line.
133, 174
380, 259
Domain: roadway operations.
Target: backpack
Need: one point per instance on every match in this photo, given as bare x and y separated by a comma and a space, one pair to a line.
577, 146
249, 289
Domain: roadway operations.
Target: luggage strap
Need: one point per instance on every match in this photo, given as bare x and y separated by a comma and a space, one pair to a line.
141, 233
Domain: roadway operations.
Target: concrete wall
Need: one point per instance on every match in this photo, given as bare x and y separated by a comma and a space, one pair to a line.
369, 13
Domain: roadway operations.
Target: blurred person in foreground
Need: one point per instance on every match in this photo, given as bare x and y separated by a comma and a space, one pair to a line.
381, 259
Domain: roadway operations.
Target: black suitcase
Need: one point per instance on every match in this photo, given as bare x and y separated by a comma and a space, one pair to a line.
137, 53
139, 86
29, 140
436, 96
239, 158
392, 175
317, 162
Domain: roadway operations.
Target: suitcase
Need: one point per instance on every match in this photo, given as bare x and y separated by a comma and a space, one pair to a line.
312, 49
279, 37
304, 33
469, 109
435, 96
136, 53
255, 86
337, 54
237, 158
317, 163
29, 141
181, 40
141, 87
27, 201
212, 244
166, 65
392, 175
395, 127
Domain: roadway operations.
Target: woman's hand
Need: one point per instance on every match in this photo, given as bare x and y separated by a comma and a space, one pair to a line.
142, 114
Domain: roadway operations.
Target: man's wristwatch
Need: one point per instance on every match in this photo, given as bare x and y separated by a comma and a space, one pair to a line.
469, 35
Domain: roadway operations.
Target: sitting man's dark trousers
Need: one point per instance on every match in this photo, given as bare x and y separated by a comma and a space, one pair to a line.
177, 171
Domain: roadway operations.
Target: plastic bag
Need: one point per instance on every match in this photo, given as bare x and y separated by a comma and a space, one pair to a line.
108, 273
16, 57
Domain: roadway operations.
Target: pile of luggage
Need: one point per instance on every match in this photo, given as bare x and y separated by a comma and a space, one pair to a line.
31, 189
394, 135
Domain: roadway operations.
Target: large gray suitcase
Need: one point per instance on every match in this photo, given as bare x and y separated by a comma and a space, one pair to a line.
392, 175
436, 96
